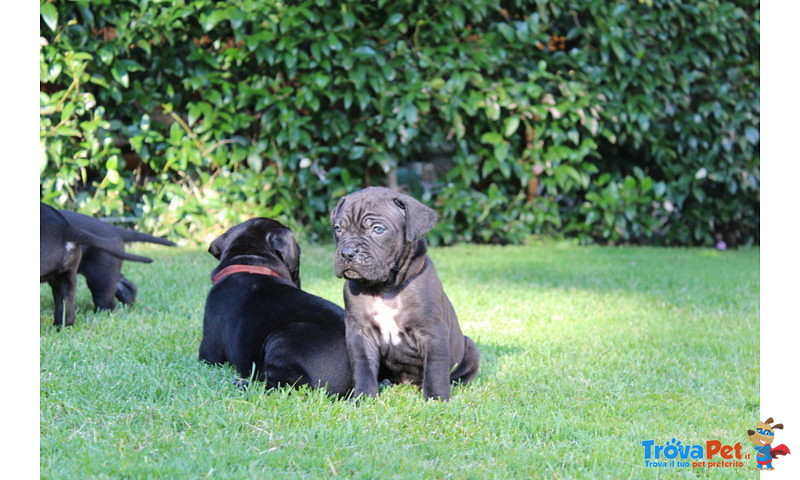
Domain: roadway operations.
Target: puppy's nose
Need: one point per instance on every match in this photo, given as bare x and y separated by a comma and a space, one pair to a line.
348, 253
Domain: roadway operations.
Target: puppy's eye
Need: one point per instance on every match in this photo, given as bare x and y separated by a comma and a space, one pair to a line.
337, 229
379, 229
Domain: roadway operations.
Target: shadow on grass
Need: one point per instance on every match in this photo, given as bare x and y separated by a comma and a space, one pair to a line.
677, 276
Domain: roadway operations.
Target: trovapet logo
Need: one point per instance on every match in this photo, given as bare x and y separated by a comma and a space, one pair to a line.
711, 454
715, 453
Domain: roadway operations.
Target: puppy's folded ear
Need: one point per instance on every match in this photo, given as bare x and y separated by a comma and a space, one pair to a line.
419, 218
217, 245
282, 240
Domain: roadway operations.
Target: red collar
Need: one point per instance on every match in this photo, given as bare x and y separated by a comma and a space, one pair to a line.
231, 269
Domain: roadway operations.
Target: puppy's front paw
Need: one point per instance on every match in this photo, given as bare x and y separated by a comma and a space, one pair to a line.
431, 395
358, 395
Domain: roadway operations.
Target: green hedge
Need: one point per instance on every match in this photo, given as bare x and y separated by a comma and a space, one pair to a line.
611, 122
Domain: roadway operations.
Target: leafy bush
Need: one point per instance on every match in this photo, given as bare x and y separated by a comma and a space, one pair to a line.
609, 122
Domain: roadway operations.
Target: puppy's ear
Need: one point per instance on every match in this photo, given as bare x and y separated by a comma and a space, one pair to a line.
217, 245
419, 218
282, 240
336, 210
779, 426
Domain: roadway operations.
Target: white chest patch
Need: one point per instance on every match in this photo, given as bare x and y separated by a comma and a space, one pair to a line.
69, 246
383, 315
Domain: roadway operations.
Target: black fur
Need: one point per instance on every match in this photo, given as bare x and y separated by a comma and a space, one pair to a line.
59, 257
265, 325
103, 271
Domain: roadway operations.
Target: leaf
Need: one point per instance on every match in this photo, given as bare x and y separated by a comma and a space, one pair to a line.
573, 136
510, 126
701, 173
106, 55
66, 113
458, 16
321, 80
507, 32
67, 131
659, 188
175, 134
316, 51
752, 135
120, 75
619, 51
492, 110
211, 20
254, 161
112, 176
501, 153
54, 71
333, 42
411, 113
394, 19
364, 51
492, 138
49, 14
349, 20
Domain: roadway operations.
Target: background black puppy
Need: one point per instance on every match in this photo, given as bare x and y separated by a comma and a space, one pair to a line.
103, 271
258, 319
60, 255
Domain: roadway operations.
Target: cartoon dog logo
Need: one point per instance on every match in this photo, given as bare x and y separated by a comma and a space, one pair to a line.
762, 438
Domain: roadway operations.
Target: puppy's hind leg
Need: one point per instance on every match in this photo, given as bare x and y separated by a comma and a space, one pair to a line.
469, 366
64, 287
126, 291
58, 301
103, 290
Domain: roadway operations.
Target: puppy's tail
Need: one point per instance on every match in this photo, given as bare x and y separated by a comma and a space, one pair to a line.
134, 236
84, 237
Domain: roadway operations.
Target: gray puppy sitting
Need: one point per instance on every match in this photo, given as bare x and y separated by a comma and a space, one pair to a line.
399, 323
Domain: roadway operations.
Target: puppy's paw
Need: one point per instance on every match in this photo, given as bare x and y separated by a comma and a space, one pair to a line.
384, 384
241, 383
358, 397
126, 291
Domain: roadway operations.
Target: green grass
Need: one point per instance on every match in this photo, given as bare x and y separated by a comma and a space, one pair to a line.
586, 352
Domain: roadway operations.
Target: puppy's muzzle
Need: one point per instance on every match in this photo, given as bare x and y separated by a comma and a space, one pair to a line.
348, 253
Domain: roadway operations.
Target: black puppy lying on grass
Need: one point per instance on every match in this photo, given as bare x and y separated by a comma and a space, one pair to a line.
60, 255
258, 319
103, 271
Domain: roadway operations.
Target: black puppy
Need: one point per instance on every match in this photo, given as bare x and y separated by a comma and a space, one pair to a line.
102, 269
60, 255
258, 319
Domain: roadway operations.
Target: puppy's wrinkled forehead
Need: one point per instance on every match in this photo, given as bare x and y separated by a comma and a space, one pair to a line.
358, 210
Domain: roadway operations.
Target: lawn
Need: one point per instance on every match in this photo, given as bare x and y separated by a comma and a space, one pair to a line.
586, 352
